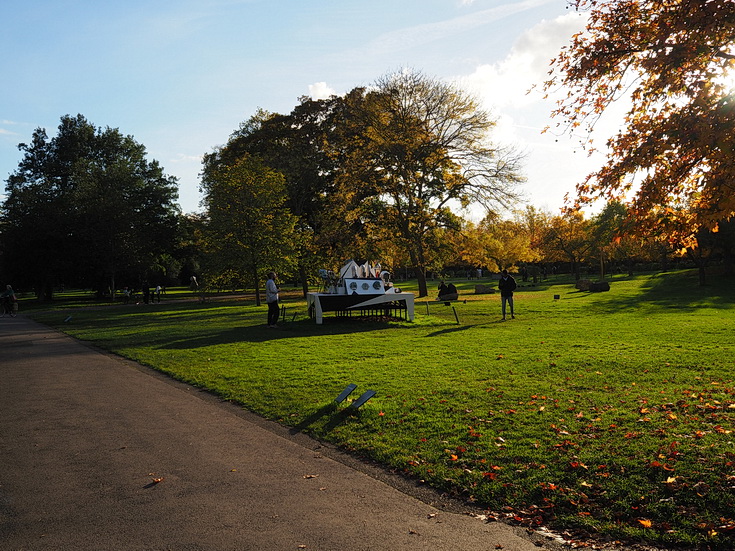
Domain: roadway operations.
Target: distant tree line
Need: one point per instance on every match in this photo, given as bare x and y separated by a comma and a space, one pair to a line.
378, 174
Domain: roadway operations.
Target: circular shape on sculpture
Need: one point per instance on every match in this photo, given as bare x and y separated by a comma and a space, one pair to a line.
353, 285
365, 286
376, 285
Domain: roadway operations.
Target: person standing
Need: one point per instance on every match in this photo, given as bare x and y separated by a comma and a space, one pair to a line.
271, 298
9, 302
507, 285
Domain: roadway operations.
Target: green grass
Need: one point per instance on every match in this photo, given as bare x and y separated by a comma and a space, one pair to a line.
605, 414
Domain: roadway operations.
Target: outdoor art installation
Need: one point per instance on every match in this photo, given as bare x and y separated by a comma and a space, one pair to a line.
359, 290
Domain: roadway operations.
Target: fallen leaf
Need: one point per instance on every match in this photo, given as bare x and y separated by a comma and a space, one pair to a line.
645, 522
311, 475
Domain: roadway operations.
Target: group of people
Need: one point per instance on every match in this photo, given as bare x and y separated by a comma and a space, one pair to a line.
507, 284
149, 295
9, 302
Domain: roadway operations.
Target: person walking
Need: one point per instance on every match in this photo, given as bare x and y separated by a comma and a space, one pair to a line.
507, 285
9, 302
271, 298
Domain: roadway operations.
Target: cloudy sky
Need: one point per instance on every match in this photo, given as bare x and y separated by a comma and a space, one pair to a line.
180, 75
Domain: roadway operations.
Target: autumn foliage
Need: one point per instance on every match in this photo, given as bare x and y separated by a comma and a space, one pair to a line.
673, 61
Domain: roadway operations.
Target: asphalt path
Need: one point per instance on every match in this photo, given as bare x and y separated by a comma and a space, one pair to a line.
100, 453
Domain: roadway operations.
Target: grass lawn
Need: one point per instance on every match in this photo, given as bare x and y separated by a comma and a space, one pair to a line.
597, 413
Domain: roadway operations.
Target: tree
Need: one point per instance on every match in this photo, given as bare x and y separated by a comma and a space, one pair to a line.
498, 244
421, 145
84, 207
674, 61
607, 228
250, 231
293, 145
568, 238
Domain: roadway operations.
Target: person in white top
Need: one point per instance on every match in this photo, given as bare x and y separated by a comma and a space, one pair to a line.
271, 298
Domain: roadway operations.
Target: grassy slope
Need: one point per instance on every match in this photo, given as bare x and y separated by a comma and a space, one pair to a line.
607, 412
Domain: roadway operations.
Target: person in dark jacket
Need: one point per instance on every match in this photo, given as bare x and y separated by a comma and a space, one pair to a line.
448, 292
507, 285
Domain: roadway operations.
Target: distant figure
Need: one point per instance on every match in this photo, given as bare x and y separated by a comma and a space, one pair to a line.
193, 285
126, 295
507, 285
146, 294
448, 292
271, 298
158, 293
442, 289
10, 304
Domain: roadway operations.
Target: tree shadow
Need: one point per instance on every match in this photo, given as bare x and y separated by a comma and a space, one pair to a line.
262, 333
668, 291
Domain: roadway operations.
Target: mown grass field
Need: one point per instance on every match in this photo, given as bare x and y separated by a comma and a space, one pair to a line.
609, 414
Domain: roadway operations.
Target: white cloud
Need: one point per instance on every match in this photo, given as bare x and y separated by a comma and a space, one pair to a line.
507, 83
182, 158
320, 90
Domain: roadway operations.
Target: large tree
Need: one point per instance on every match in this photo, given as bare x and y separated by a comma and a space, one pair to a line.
674, 61
293, 146
568, 238
84, 207
422, 145
250, 231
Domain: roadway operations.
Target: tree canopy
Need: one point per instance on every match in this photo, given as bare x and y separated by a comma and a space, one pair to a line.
249, 231
674, 61
378, 171
423, 145
84, 207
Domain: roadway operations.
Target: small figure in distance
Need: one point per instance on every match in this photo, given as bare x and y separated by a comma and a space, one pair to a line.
507, 285
10, 303
271, 298
448, 292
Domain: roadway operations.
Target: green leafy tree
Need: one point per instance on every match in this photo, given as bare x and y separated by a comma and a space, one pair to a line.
250, 230
292, 145
85, 207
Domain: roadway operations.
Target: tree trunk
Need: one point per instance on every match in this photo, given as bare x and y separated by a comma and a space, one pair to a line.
421, 276
304, 280
257, 287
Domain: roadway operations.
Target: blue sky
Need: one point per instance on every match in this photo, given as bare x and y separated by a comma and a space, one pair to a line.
180, 75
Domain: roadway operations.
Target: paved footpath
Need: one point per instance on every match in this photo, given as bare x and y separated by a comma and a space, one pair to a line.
98, 453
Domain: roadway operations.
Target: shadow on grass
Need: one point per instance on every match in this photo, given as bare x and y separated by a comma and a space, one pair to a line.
454, 329
336, 418
679, 291
261, 333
